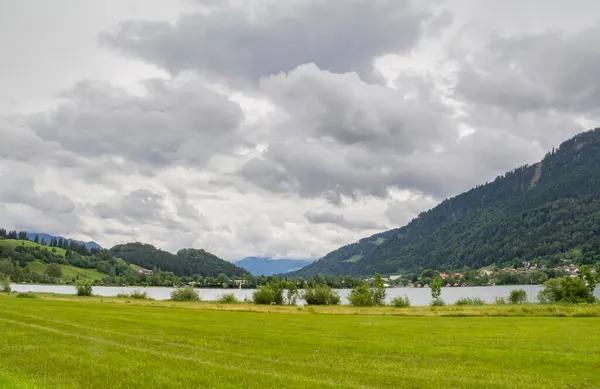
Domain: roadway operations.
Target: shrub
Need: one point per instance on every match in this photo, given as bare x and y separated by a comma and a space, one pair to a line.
84, 288
272, 293
469, 301
400, 302
360, 296
517, 296
438, 302
5, 284
26, 295
227, 298
566, 290
263, 295
136, 295
500, 300
185, 294
321, 295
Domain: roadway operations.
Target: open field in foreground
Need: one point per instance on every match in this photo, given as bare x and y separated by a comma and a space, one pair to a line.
77, 343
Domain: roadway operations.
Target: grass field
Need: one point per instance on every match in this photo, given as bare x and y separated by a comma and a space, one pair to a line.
69, 272
102, 343
14, 242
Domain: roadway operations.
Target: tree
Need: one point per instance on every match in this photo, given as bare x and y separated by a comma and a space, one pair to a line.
378, 293
37, 239
428, 273
436, 288
588, 278
54, 270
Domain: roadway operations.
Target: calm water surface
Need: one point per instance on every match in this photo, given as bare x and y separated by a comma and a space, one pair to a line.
417, 296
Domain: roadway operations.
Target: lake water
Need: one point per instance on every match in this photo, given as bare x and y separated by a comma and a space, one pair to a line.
417, 296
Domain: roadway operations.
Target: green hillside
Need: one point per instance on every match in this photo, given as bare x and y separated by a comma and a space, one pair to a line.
27, 243
69, 272
544, 214
186, 262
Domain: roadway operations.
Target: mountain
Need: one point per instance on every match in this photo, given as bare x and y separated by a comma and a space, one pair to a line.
267, 266
185, 263
544, 213
47, 238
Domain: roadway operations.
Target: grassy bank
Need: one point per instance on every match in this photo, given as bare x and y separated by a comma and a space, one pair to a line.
52, 342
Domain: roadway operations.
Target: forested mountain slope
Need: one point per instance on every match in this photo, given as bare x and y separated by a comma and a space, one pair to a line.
185, 263
542, 213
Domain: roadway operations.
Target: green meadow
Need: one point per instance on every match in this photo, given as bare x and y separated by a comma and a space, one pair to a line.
69, 272
15, 243
54, 342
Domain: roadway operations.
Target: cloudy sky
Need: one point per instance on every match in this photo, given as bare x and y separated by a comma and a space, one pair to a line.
277, 128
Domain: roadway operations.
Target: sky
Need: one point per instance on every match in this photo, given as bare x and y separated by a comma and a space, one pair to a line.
280, 128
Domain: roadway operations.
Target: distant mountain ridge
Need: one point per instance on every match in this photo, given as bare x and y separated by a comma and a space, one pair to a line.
544, 213
44, 238
268, 266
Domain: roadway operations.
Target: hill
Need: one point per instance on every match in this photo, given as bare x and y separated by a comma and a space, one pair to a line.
544, 213
267, 266
15, 243
46, 239
186, 262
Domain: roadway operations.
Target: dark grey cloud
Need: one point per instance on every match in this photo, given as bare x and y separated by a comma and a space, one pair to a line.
19, 189
551, 70
138, 206
344, 136
171, 122
257, 39
315, 217
538, 86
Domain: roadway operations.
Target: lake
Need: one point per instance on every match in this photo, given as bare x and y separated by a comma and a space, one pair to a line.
417, 296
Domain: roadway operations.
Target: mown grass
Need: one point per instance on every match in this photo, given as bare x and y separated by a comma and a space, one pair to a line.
95, 343
15, 243
69, 272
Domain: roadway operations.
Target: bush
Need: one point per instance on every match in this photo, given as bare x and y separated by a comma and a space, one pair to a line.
185, 294
84, 288
26, 295
500, 300
518, 296
360, 296
272, 293
263, 295
227, 298
400, 302
469, 301
136, 295
437, 302
566, 290
321, 295
5, 285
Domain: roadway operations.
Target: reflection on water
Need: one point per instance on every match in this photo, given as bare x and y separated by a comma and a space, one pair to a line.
417, 296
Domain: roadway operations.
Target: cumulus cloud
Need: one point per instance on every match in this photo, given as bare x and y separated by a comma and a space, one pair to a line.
18, 189
170, 123
259, 38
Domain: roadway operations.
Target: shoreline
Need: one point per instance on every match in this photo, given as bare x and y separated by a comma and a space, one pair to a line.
485, 310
